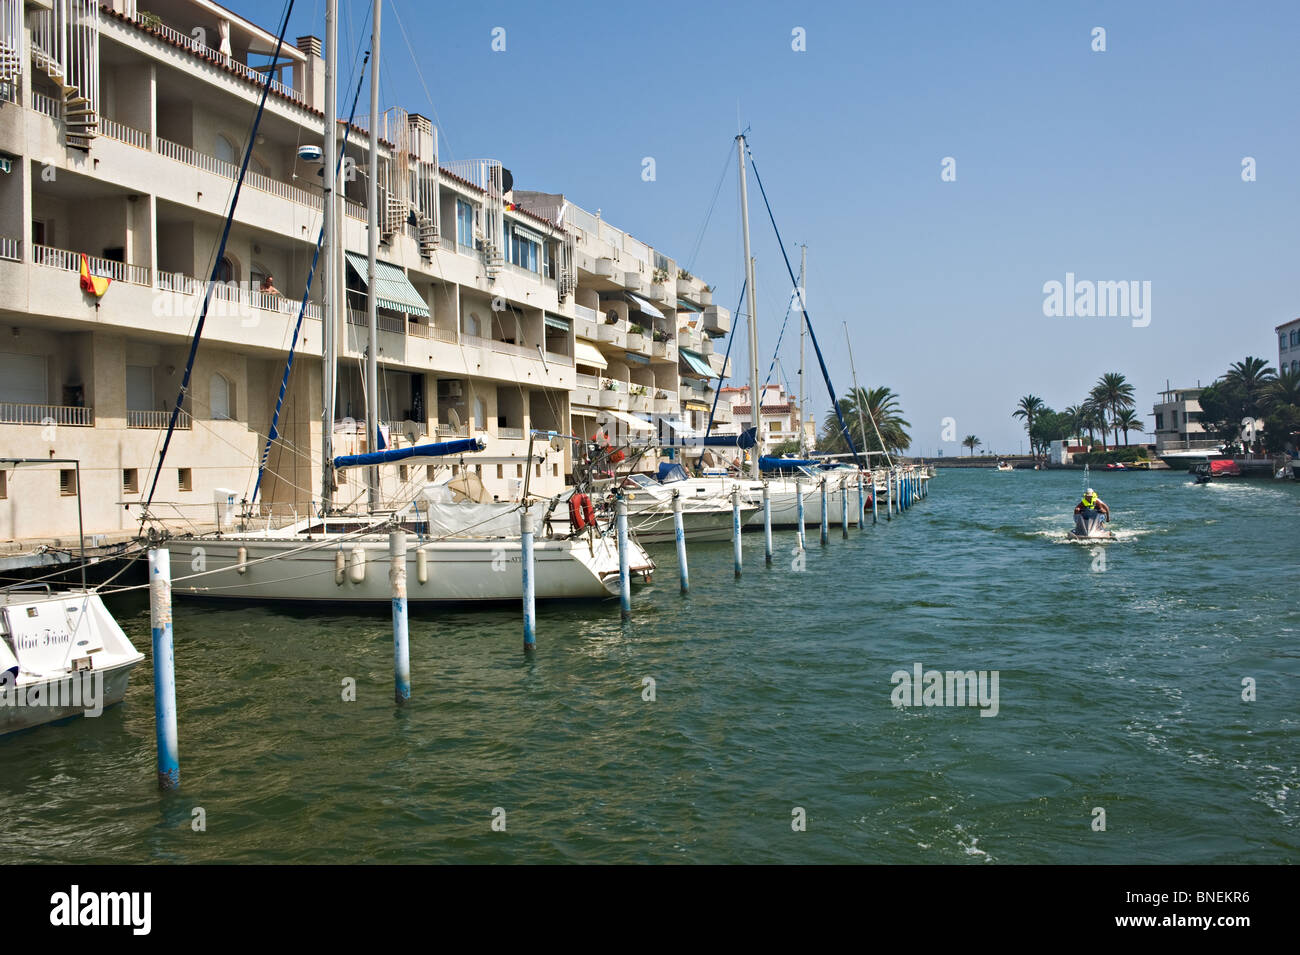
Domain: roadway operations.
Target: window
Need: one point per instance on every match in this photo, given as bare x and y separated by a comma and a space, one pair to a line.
480, 414
139, 388
68, 482
42, 232
1281, 341
130, 481
226, 270
539, 469
226, 151
499, 472
4, 485
478, 469
220, 401
184, 479
523, 250
402, 473
429, 470
555, 470
1295, 336
473, 326
464, 224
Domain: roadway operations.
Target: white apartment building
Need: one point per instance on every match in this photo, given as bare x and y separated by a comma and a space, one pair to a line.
780, 414
121, 132
1288, 346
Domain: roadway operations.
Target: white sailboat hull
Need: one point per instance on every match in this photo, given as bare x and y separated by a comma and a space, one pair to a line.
460, 571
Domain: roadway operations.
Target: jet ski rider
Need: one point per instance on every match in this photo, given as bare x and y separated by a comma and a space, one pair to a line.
1089, 505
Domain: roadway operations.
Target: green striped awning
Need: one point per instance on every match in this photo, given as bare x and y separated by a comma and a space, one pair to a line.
393, 290
698, 363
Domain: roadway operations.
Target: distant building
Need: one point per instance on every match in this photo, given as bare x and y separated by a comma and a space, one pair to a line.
1288, 346
1178, 423
780, 414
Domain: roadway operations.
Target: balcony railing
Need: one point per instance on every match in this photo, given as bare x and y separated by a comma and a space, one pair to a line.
231, 292
106, 268
157, 420
504, 348
510, 433
448, 431
229, 170
586, 381
11, 249
73, 417
47, 105
198, 48
432, 331
123, 133
386, 323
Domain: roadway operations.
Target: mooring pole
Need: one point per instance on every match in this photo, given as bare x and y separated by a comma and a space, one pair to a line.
679, 531
825, 535
401, 632
798, 493
874, 510
889, 494
862, 505
624, 576
164, 669
735, 526
844, 509
529, 579
767, 522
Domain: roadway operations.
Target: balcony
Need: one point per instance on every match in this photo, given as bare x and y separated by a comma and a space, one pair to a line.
157, 420
394, 324
431, 332
238, 300
70, 261
613, 334
66, 415
717, 319
510, 434
666, 406
641, 402
448, 431
638, 339
665, 350
255, 180
585, 322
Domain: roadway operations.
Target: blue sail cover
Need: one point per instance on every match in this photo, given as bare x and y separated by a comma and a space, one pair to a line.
746, 439
435, 450
769, 463
670, 471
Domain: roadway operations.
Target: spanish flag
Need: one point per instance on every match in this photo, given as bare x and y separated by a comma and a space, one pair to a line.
95, 285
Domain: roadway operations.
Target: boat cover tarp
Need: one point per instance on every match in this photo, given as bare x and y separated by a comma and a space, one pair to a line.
436, 450
668, 471
491, 519
746, 439
1225, 466
770, 463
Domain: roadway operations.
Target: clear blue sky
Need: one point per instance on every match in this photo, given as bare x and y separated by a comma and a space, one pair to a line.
1122, 165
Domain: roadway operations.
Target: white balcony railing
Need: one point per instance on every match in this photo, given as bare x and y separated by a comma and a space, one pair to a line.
448, 431
514, 434
386, 323
229, 170
106, 268
232, 292
12, 412
11, 249
157, 420
586, 381
47, 105
123, 133
433, 332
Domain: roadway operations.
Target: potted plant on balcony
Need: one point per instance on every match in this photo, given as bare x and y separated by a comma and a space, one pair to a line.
706, 295
636, 336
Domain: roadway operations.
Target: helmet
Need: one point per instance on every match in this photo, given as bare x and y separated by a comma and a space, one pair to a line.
1090, 492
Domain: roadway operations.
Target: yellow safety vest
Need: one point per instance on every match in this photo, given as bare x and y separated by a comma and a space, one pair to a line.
1090, 505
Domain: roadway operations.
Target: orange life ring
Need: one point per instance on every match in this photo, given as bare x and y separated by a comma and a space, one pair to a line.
575, 511
588, 511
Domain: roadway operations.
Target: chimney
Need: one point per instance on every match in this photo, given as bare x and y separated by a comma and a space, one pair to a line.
309, 77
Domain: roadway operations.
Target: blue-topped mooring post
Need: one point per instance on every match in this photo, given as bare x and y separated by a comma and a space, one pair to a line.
624, 575
798, 493
679, 531
825, 535
767, 522
164, 669
889, 494
874, 518
735, 526
844, 509
528, 570
401, 631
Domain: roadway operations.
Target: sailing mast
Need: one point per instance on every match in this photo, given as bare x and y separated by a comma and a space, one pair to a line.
329, 179
754, 396
372, 305
803, 332
857, 394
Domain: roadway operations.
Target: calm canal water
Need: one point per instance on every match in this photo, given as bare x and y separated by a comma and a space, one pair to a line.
1120, 688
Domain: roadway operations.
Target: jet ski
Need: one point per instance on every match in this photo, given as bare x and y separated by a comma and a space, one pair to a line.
1090, 527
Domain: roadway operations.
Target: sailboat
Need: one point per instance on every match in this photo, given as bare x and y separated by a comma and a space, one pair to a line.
462, 550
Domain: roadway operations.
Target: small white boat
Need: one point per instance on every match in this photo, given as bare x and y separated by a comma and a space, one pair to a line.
61, 655
1005, 466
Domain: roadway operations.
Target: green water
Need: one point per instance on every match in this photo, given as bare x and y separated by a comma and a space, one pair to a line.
1119, 688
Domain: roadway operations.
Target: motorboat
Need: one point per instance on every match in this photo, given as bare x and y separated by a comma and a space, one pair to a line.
1005, 466
62, 655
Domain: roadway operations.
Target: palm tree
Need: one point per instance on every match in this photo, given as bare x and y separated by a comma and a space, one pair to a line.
1127, 420
879, 404
1115, 392
1076, 414
972, 442
1092, 420
1253, 376
1097, 401
1282, 390
1028, 407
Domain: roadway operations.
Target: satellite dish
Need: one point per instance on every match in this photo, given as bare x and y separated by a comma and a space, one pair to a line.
612, 316
453, 419
1248, 429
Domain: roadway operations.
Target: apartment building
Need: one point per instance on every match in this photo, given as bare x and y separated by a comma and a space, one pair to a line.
500, 310
1288, 346
1178, 422
780, 414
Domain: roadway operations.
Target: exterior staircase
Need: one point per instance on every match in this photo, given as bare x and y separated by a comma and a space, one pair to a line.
428, 235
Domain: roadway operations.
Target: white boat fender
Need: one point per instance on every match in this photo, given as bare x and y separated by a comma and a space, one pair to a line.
340, 565
357, 572
421, 565
243, 560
